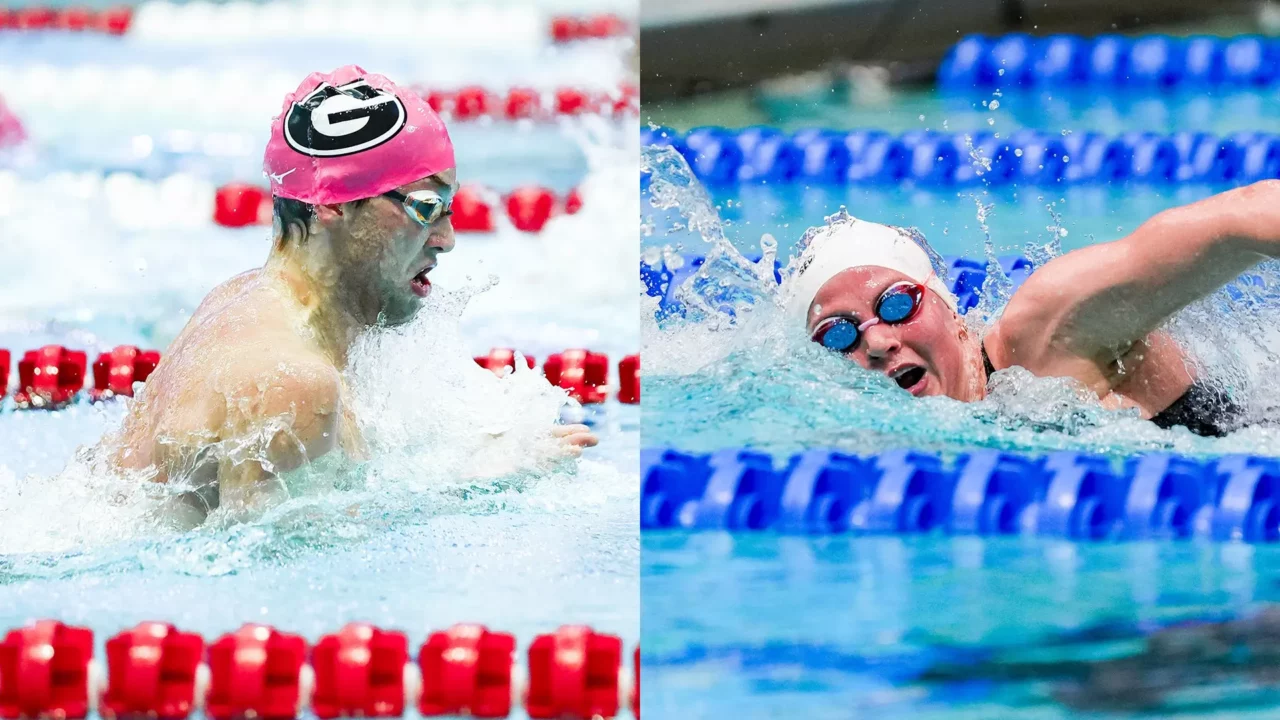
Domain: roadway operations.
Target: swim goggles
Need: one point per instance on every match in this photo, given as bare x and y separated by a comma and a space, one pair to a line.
899, 303
423, 206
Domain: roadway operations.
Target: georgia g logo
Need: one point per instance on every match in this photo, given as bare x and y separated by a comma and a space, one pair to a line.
333, 121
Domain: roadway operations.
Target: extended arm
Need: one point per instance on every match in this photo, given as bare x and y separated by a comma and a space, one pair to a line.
1097, 302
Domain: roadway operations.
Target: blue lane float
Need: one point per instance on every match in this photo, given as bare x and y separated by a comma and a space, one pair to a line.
966, 276
986, 492
722, 157
1114, 62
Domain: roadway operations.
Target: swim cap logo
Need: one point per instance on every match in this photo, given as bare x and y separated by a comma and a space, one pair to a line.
334, 121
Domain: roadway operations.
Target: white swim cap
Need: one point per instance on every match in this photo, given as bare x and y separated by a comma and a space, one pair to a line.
847, 242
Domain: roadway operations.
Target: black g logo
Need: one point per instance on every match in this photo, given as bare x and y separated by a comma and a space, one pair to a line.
333, 121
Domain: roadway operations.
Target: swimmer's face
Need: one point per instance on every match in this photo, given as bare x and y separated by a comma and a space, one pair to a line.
386, 257
924, 355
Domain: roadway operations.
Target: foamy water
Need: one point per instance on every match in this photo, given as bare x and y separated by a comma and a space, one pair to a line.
465, 502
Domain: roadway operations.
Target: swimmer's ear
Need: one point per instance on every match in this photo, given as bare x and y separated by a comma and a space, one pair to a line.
328, 213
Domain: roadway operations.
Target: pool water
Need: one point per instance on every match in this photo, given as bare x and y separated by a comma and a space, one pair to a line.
760, 625
407, 541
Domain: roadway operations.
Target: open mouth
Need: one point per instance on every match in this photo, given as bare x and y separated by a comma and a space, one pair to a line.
421, 284
909, 378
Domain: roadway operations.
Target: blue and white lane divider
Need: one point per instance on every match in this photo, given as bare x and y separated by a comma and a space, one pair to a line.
722, 157
1111, 62
1065, 494
966, 276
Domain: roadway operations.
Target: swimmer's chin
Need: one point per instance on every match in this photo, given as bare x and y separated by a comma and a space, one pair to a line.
403, 317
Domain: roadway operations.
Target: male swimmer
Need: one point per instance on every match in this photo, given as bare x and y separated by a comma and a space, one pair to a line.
869, 292
362, 177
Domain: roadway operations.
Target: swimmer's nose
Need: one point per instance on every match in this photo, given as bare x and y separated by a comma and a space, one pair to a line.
881, 342
441, 238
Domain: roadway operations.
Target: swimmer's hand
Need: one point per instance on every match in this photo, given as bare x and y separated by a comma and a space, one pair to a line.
573, 438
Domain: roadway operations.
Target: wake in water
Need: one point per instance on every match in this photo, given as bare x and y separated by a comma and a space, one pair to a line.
731, 372
444, 436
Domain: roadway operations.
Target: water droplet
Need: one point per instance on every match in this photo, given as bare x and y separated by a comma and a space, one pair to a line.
1066, 133
1017, 151
922, 118
1001, 71
995, 104
1066, 158
1062, 232
991, 121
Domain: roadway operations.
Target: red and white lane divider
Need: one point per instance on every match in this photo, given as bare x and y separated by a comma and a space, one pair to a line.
508, 24
235, 97
524, 103
114, 21
584, 374
568, 28
528, 208
53, 376
48, 670
163, 91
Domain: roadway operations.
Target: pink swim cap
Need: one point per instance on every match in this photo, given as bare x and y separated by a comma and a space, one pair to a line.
348, 135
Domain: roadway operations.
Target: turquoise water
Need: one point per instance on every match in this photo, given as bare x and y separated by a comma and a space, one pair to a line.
108, 240
756, 626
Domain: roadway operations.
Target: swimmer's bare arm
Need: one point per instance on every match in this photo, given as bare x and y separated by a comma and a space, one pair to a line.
281, 419
1098, 301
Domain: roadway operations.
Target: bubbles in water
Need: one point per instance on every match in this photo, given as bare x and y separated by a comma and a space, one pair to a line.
1017, 152
995, 105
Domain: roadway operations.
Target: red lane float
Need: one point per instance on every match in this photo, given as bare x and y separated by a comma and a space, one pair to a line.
49, 378
155, 670
115, 372
52, 376
597, 27
529, 208
359, 672
254, 672
114, 21
474, 102
574, 673
466, 670
629, 380
152, 672
499, 360
241, 204
581, 372
44, 671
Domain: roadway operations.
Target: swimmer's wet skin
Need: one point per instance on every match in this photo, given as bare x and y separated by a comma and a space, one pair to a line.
362, 174
1093, 314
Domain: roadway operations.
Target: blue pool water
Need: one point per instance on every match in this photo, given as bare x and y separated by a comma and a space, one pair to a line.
763, 625
758, 626
107, 245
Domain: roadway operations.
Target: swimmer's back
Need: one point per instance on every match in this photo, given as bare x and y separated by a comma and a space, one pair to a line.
242, 358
